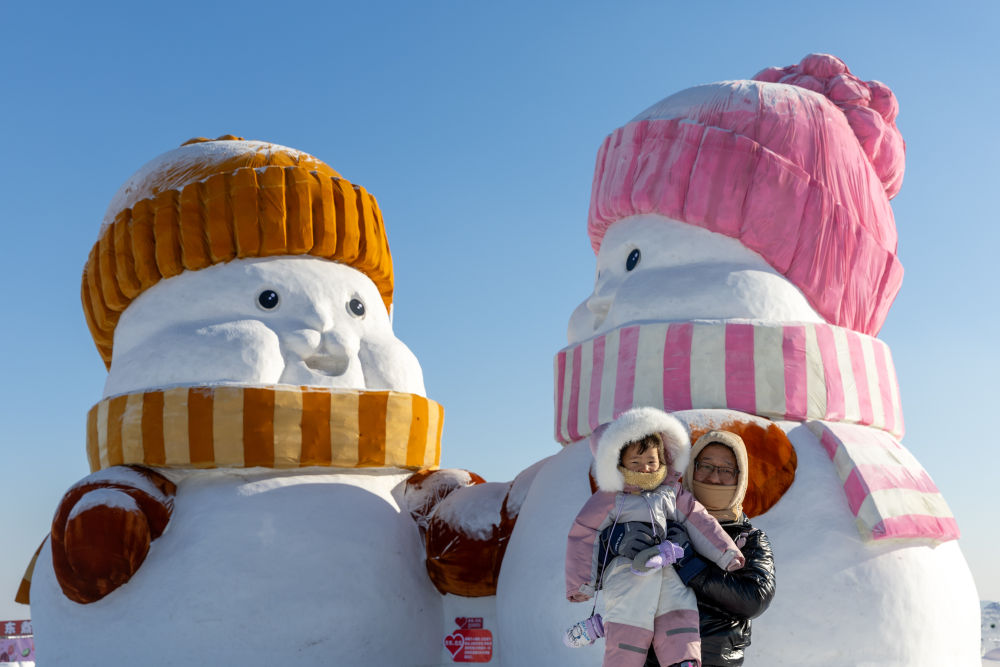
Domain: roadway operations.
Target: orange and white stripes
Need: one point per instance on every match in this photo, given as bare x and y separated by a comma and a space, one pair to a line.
274, 427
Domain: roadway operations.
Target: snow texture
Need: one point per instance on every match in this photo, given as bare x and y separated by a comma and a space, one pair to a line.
160, 173
434, 487
123, 476
103, 498
522, 483
475, 510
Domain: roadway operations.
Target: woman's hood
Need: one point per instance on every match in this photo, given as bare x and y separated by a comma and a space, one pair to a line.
733, 442
634, 425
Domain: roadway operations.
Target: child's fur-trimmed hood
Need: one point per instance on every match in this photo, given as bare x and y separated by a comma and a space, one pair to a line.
631, 426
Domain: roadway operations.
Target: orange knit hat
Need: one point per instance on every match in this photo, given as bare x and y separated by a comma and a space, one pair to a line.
214, 200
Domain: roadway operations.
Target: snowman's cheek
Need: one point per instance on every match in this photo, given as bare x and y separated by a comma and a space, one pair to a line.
243, 351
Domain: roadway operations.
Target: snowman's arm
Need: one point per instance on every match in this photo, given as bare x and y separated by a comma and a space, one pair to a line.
706, 535
103, 528
582, 545
745, 593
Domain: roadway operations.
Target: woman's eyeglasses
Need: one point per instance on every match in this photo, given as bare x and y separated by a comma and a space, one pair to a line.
726, 475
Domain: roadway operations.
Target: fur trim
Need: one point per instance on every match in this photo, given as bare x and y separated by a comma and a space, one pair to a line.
630, 426
647, 481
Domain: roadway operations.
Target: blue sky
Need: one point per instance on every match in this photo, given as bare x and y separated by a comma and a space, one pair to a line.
476, 126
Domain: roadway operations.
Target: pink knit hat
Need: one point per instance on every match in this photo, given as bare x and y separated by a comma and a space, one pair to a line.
801, 174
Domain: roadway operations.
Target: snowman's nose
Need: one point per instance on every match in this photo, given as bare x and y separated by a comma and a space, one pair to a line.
333, 355
599, 304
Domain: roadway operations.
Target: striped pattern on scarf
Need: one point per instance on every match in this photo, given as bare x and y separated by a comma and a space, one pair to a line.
274, 427
889, 493
797, 371
838, 381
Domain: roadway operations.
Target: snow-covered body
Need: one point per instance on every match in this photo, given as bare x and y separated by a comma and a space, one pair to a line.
261, 567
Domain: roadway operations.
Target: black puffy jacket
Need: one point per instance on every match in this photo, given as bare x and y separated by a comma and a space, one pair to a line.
728, 600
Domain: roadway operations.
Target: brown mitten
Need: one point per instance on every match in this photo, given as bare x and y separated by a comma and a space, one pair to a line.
103, 528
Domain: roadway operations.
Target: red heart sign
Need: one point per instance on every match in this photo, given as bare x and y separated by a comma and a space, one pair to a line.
454, 643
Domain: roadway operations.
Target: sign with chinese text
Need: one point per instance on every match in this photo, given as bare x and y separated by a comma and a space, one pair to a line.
470, 641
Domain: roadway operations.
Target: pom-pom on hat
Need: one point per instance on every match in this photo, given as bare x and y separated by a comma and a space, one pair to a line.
214, 200
798, 164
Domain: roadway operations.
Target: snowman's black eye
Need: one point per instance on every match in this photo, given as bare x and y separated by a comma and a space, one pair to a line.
633, 259
268, 299
356, 308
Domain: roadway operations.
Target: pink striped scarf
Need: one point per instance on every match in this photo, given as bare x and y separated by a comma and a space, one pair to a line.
837, 380
796, 371
889, 493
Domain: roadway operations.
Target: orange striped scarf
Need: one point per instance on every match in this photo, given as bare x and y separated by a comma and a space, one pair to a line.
274, 427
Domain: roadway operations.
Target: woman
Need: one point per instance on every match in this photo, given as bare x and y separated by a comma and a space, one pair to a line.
726, 600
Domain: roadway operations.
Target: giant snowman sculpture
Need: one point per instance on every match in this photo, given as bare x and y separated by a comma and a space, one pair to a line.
746, 258
258, 424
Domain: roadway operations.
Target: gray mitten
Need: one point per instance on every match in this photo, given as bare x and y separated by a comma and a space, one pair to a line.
636, 537
677, 535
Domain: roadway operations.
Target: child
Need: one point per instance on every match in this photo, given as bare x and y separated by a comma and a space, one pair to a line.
639, 460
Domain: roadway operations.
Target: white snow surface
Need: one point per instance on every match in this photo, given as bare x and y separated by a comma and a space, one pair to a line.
103, 498
521, 485
475, 510
684, 273
163, 168
311, 567
123, 476
741, 93
421, 499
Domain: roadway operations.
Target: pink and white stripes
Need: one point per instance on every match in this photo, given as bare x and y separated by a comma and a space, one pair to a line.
796, 371
889, 493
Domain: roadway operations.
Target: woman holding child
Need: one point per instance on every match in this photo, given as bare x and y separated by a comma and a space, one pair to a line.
623, 542
640, 459
726, 600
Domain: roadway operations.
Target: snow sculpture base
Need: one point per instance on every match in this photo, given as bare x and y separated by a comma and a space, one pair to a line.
250, 567
830, 582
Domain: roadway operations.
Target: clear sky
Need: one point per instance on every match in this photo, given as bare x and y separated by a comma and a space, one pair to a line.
476, 126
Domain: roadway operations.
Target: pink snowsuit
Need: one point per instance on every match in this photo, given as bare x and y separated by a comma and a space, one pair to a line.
656, 608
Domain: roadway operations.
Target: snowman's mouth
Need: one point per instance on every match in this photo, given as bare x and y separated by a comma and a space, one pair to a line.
327, 364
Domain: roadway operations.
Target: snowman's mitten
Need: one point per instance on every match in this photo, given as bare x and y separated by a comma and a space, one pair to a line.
690, 564
103, 528
627, 539
425, 490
